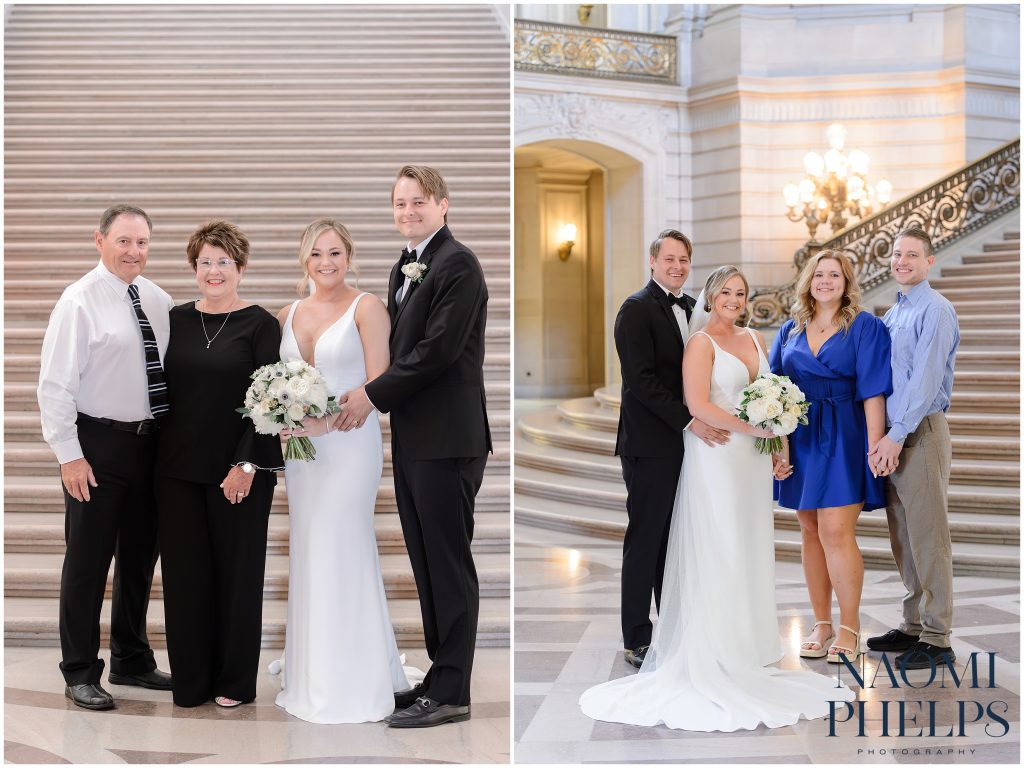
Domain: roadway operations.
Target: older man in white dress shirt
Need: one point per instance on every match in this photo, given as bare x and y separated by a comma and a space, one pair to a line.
100, 395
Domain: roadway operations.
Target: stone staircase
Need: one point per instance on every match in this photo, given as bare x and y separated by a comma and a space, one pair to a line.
269, 116
568, 479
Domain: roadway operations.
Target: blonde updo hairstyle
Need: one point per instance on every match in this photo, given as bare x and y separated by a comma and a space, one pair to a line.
309, 237
804, 305
716, 282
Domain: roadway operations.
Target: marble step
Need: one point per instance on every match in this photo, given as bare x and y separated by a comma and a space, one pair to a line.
1010, 242
45, 494
27, 458
611, 493
38, 575
995, 269
1009, 257
969, 557
981, 283
33, 621
568, 462
43, 532
980, 322
997, 293
25, 368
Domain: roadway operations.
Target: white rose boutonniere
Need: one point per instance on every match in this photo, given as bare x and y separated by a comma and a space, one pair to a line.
415, 271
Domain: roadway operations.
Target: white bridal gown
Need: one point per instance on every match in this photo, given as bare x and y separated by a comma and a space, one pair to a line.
341, 660
706, 668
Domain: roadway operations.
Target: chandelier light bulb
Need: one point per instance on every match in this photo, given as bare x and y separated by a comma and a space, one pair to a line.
806, 190
859, 162
884, 190
792, 194
814, 164
836, 136
833, 160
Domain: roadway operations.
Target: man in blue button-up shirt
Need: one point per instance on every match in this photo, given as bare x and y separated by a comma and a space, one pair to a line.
916, 454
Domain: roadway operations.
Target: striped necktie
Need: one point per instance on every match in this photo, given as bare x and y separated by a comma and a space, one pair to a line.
154, 371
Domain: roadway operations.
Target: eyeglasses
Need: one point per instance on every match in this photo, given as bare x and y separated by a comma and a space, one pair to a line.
224, 263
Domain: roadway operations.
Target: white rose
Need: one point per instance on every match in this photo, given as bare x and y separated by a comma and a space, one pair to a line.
787, 423
317, 396
296, 412
772, 409
759, 384
298, 386
773, 392
265, 405
795, 410
756, 411
295, 366
266, 426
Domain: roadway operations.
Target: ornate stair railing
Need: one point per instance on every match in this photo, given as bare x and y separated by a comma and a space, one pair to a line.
608, 53
948, 209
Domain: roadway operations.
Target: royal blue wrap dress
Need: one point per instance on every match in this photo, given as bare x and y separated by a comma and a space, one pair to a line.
829, 454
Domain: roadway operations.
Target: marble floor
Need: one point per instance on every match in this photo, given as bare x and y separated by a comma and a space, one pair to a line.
567, 639
41, 726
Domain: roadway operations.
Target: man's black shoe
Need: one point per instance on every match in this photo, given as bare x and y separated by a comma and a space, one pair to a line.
405, 699
89, 695
155, 680
636, 656
426, 713
925, 656
893, 640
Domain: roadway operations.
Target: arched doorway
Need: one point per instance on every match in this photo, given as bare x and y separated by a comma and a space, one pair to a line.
565, 307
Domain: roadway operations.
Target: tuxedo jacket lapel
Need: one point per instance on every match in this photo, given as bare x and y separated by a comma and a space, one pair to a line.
657, 295
396, 275
425, 258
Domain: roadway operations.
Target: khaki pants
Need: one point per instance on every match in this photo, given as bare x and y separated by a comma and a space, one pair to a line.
917, 501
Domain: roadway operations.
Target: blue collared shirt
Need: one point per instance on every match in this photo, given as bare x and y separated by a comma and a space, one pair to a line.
925, 334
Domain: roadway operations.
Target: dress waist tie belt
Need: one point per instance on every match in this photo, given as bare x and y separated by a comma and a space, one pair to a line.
823, 396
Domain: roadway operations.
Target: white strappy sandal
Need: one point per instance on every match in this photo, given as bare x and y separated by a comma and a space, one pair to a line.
817, 653
850, 653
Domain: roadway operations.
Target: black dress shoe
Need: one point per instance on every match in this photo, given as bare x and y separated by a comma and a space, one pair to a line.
893, 640
89, 695
155, 680
405, 699
426, 713
925, 656
636, 656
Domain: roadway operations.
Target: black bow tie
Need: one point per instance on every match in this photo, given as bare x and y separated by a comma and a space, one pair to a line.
407, 257
679, 301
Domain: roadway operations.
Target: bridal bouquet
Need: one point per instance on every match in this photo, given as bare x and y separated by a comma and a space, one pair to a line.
281, 395
775, 403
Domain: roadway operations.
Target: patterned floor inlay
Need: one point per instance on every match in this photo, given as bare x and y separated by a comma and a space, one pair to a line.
42, 726
567, 640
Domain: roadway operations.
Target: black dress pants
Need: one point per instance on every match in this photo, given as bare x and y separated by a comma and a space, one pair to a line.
435, 504
213, 556
650, 494
118, 522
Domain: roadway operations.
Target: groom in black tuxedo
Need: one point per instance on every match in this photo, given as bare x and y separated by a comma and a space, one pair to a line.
434, 391
650, 335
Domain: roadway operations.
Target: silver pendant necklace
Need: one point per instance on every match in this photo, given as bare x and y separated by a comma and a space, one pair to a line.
210, 341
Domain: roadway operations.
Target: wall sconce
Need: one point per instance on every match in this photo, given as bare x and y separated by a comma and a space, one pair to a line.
568, 236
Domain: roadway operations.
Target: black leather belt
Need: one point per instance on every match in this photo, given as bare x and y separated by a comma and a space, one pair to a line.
144, 427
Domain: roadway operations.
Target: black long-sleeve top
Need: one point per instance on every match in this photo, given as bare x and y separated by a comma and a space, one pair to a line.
203, 435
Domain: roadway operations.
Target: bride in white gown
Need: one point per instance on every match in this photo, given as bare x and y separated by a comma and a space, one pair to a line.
706, 669
341, 662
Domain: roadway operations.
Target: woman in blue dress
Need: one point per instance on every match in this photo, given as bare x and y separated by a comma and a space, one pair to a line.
838, 355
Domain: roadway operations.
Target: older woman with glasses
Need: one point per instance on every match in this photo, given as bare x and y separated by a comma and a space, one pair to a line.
215, 478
